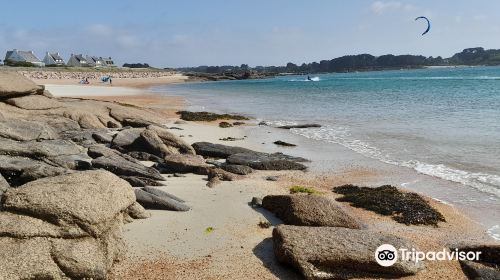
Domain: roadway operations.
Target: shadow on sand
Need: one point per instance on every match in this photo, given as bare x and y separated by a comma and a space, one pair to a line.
264, 251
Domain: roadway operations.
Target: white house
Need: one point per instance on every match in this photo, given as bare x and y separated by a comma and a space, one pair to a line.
23, 56
77, 60
95, 61
53, 59
109, 62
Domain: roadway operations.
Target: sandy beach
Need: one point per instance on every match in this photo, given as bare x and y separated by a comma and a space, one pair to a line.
177, 245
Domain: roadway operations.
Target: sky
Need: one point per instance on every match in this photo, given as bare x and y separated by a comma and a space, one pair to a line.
257, 32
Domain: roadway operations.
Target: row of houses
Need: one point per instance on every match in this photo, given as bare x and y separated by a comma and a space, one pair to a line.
76, 60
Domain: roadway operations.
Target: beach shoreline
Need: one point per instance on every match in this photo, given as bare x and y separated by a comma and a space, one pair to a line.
173, 245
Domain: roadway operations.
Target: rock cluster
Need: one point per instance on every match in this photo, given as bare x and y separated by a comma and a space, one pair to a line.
70, 75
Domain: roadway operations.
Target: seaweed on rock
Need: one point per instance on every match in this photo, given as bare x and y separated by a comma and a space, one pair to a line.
404, 207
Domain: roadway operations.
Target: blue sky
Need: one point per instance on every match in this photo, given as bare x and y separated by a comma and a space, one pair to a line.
257, 32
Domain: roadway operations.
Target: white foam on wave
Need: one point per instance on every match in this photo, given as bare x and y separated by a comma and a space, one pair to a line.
483, 182
494, 232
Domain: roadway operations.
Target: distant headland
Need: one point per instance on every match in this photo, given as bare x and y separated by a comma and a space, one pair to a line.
350, 63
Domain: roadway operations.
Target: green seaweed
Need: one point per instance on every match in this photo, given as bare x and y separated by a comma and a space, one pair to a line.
302, 189
404, 207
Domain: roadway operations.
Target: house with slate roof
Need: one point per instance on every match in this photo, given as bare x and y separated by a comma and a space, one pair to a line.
23, 56
53, 59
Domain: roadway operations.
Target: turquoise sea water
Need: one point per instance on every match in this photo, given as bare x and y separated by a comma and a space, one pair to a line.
440, 122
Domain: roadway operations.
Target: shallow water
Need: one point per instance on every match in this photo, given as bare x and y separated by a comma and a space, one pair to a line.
440, 122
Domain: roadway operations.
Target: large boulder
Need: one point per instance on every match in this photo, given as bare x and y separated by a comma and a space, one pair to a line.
263, 161
338, 253
207, 149
120, 165
34, 102
309, 210
14, 84
22, 130
81, 199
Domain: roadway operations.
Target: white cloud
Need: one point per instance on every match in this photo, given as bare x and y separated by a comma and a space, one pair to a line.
99, 30
379, 7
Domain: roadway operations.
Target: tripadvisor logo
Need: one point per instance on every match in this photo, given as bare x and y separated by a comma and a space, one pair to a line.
388, 255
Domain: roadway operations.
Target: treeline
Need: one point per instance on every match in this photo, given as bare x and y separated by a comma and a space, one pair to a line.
136, 65
362, 62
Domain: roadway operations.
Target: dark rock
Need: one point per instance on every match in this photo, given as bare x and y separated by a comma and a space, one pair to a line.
256, 202
236, 169
102, 137
151, 201
177, 128
145, 156
75, 162
488, 264
404, 207
161, 193
121, 166
281, 143
140, 181
263, 161
207, 149
299, 126
186, 164
338, 253
207, 116
480, 271
272, 178
309, 210
231, 139
238, 123
20, 170
225, 125
263, 123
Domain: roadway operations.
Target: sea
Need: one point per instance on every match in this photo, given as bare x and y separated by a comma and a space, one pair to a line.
440, 127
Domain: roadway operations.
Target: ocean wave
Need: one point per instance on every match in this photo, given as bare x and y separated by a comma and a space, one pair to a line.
483, 182
494, 232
